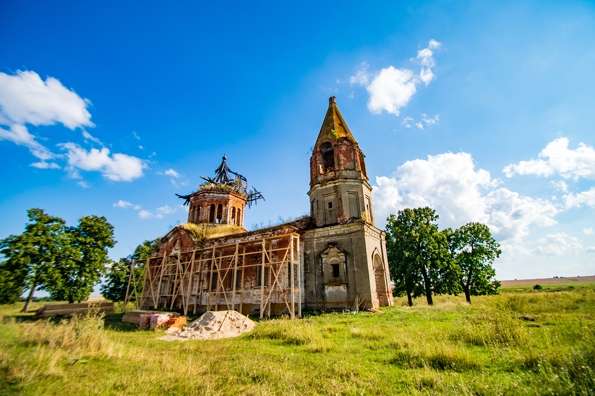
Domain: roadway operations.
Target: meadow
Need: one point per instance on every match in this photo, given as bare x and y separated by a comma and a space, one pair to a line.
519, 342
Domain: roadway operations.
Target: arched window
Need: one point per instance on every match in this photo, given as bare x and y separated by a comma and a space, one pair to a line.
328, 156
219, 213
239, 217
233, 215
212, 213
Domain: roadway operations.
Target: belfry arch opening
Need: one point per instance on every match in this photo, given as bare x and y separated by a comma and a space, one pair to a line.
328, 156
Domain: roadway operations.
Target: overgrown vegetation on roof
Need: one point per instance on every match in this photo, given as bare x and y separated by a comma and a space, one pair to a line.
207, 231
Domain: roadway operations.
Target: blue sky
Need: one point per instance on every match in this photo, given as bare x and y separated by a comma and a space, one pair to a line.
483, 110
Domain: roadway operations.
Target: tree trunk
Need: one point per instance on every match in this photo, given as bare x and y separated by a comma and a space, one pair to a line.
429, 296
29, 297
427, 287
467, 295
409, 299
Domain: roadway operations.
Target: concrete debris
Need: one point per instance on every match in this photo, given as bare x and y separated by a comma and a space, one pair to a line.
212, 325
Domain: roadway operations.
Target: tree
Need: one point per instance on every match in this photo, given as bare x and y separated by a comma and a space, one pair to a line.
474, 250
406, 279
116, 280
83, 258
30, 258
418, 254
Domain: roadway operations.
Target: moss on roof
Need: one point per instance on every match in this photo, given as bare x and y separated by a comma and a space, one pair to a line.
208, 231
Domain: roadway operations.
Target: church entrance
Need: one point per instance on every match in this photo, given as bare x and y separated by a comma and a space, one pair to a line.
381, 285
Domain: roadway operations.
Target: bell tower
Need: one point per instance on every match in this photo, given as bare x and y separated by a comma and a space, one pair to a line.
339, 187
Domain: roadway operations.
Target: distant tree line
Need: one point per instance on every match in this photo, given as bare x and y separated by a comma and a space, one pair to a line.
425, 260
66, 261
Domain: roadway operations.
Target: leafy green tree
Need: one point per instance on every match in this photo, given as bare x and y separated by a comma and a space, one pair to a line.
474, 250
418, 254
83, 258
30, 258
116, 279
12, 270
406, 280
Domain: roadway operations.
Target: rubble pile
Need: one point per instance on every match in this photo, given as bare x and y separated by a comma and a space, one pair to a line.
212, 325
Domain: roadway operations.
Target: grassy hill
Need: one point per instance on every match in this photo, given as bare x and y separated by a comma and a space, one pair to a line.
520, 342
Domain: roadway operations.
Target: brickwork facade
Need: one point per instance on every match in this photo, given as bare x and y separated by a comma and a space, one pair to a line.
340, 257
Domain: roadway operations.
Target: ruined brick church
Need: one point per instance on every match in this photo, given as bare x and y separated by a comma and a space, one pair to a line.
333, 259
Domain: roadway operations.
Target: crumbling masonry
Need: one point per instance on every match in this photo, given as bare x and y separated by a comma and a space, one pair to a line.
333, 259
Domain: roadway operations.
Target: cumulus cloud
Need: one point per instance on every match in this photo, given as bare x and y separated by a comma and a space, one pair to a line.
460, 192
588, 231
558, 244
145, 214
115, 167
558, 159
584, 198
18, 134
25, 98
391, 88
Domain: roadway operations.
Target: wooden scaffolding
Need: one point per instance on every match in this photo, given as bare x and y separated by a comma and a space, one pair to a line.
257, 273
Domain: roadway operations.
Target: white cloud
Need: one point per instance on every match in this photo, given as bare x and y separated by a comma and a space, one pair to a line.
172, 173
560, 185
18, 134
584, 198
91, 138
45, 165
460, 193
426, 60
588, 231
391, 88
558, 244
145, 214
25, 98
176, 179
361, 76
424, 122
115, 167
126, 205
164, 211
558, 159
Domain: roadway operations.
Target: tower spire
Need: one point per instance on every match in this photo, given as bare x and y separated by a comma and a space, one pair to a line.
334, 126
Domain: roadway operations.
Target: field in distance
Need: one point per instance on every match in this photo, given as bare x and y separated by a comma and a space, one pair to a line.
558, 283
520, 342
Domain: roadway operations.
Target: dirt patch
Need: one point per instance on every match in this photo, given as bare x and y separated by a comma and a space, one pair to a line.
212, 325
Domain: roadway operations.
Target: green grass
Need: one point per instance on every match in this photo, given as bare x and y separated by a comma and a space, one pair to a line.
516, 343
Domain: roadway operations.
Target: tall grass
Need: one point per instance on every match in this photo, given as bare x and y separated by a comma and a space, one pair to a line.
79, 335
514, 343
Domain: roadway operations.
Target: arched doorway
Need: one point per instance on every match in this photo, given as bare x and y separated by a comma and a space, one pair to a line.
381, 281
